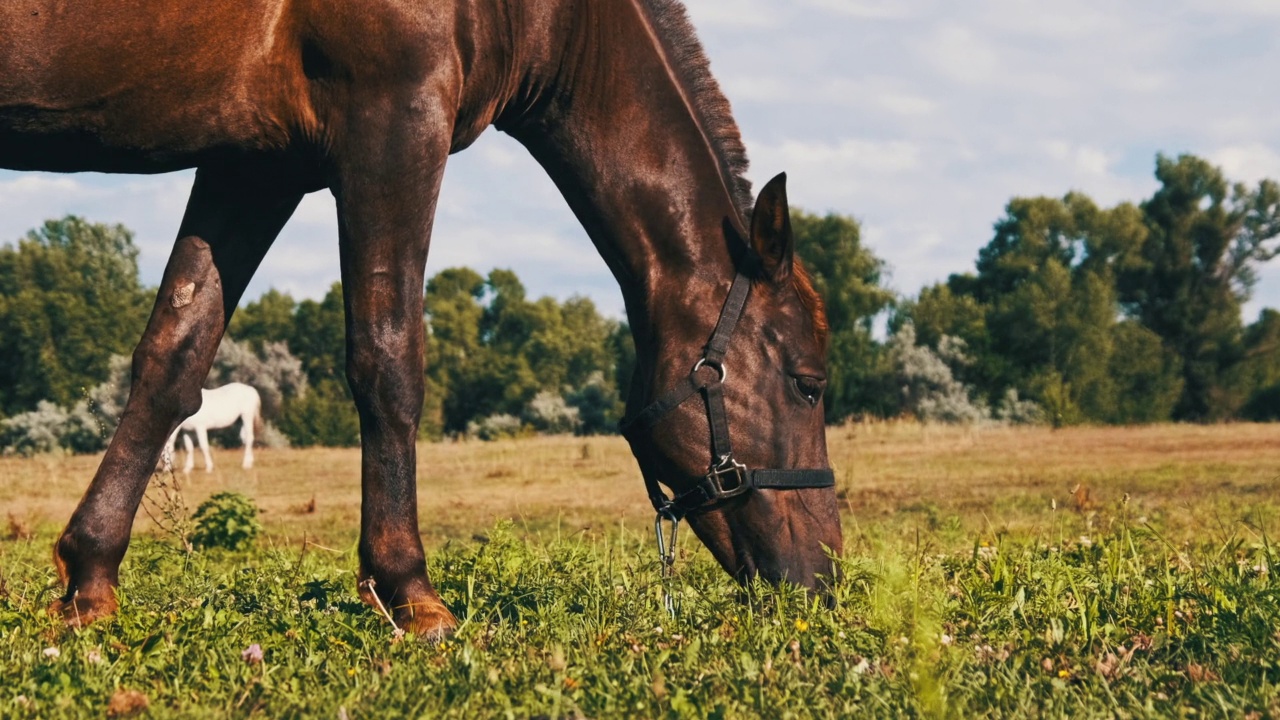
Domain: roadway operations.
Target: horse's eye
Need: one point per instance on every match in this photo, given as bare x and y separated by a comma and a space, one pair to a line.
810, 387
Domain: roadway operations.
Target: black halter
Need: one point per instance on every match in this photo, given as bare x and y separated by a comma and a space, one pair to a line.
726, 477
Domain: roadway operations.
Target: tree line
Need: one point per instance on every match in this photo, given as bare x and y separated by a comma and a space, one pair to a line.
1073, 313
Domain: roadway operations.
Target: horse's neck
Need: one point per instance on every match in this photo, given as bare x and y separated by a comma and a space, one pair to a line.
614, 128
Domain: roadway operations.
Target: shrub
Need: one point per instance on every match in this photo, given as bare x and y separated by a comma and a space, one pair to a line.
226, 520
598, 406
325, 416
35, 431
929, 388
273, 371
549, 413
1015, 411
495, 427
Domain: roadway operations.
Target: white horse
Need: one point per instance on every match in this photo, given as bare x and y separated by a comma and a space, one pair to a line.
219, 408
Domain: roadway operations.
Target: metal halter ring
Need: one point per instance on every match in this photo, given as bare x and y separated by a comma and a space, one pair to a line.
714, 365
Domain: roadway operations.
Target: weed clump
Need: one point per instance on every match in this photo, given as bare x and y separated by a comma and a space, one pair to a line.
226, 520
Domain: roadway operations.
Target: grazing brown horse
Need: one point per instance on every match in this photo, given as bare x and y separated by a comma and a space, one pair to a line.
273, 99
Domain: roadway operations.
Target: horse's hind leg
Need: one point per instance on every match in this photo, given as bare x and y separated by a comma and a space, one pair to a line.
202, 437
386, 193
246, 439
231, 220
190, 457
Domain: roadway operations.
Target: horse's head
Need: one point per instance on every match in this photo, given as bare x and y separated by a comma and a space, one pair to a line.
739, 440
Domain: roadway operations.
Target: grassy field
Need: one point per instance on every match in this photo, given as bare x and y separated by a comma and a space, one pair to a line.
1083, 572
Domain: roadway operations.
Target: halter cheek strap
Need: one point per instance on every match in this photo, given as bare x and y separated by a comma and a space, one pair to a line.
726, 477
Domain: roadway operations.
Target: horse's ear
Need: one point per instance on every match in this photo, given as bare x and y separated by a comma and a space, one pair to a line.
771, 236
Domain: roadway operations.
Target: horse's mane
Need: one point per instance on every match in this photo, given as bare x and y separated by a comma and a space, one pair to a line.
671, 25
812, 301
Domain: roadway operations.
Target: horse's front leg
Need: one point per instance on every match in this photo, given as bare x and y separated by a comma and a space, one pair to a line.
386, 194
231, 220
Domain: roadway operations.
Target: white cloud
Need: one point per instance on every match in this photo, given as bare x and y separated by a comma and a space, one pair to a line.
960, 54
1080, 158
920, 117
906, 104
863, 9
1248, 163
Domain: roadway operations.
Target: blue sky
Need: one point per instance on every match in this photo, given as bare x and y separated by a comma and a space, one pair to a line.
921, 118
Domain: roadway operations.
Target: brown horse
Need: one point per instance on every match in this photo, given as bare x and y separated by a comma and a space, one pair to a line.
273, 99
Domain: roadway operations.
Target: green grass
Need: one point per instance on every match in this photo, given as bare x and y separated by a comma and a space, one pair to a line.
1124, 624
987, 596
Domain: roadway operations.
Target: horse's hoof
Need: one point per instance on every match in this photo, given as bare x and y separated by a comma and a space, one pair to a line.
80, 609
430, 621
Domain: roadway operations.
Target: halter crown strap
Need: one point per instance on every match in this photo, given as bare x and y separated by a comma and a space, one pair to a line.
727, 477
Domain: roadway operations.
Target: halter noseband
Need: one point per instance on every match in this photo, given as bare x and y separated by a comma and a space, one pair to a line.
726, 477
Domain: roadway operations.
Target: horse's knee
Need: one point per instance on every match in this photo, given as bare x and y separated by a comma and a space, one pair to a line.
183, 331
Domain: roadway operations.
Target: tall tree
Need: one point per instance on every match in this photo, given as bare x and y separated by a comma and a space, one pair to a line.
1196, 268
317, 337
1041, 315
69, 299
850, 280
270, 318
493, 350
1260, 371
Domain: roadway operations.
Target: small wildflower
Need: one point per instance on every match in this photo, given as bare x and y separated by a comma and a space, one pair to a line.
802, 625
570, 683
861, 666
947, 639
125, 703
93, 657
52, 652
252, 654
351, 672
1064, 673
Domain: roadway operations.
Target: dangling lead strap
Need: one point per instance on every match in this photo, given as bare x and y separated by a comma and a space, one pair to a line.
667, 556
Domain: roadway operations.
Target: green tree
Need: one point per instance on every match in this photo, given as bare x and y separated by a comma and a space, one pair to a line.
324, 416
849, 278
268, 319
1041, 316
1195, 269
1260, 371
318, 337
493, 351
1147, 377
69, 299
